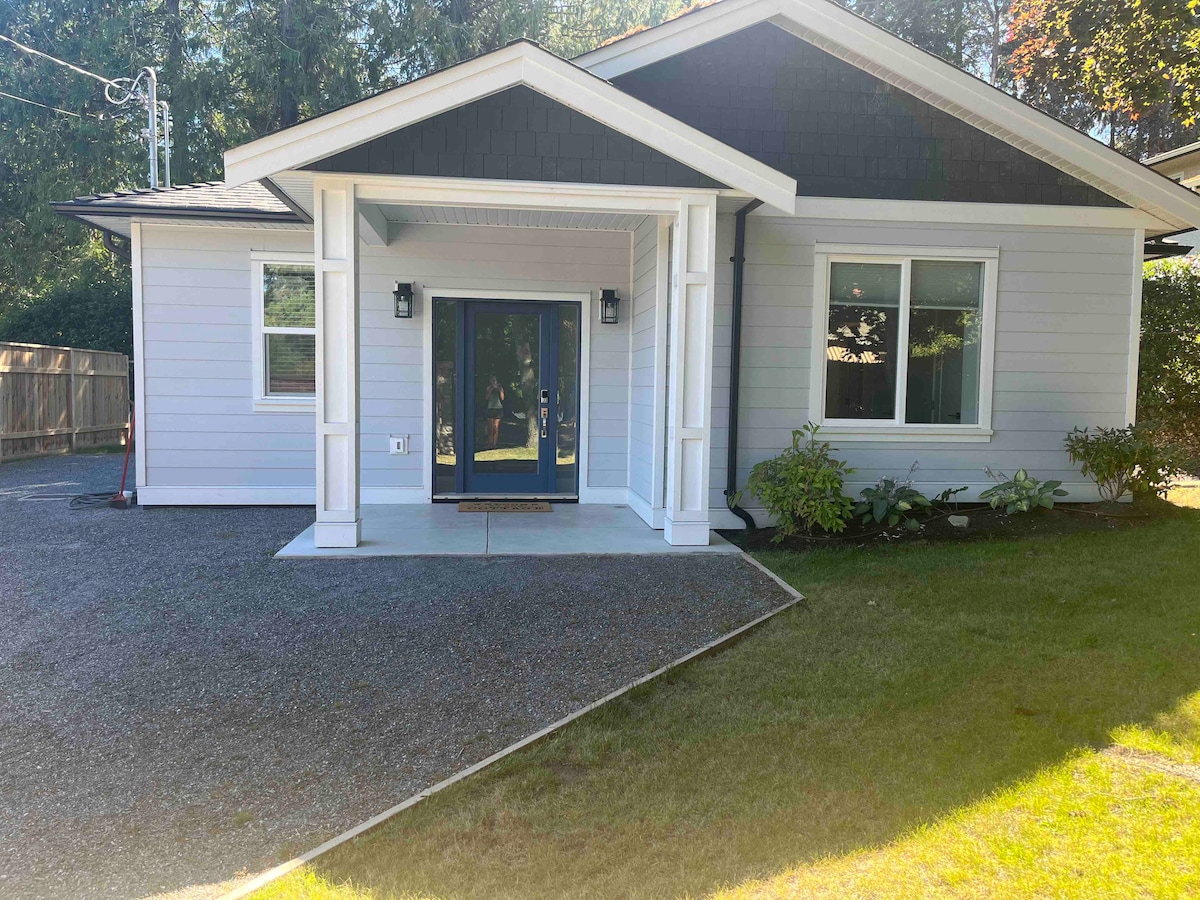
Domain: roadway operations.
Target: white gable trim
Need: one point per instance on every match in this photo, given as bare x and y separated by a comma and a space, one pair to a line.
858, 42
517, 64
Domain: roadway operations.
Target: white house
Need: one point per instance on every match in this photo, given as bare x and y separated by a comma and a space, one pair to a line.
801, 217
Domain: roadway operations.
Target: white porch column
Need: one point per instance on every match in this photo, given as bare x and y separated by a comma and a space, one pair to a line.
689, 386
336, 257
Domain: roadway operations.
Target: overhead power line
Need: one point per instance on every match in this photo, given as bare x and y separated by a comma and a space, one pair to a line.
55, 59
129, 89
65, 112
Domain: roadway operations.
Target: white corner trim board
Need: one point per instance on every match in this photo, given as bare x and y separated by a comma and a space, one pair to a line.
257, 883
522, 63
856, 41
1135, 327
139, 357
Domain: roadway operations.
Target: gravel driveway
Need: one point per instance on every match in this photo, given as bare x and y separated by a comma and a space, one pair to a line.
178, 707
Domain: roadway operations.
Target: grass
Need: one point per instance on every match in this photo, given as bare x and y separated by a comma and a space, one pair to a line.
934, 722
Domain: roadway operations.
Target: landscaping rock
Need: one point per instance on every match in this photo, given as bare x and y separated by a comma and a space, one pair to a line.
960, 521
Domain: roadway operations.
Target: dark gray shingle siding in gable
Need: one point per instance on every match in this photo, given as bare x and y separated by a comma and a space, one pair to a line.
516, 134
839, 131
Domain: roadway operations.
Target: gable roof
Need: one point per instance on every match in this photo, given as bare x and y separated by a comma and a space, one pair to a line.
865, 45
520, 63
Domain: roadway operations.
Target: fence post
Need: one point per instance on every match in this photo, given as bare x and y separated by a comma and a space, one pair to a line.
71, 407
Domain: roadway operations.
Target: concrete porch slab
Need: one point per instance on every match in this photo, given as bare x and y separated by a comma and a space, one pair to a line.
439, 529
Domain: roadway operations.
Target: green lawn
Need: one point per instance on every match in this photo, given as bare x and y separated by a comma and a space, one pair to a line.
933, 723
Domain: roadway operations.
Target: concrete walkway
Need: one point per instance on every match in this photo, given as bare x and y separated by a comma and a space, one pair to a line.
177, 705
439, 529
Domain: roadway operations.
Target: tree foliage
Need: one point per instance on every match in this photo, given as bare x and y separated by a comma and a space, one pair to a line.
91, 310
232, 70
1132, 68
1169, 359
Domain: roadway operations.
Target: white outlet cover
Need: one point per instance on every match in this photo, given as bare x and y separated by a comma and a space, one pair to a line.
398, 444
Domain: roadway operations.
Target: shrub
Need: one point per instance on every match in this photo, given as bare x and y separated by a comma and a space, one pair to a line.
1021, 493
1169, 358
802, 487
892, 501
1120, 460
93, 311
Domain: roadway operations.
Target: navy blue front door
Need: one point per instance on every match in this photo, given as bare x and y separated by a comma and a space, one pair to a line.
506, 398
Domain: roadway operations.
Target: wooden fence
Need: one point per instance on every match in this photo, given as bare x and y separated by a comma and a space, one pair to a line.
59, 399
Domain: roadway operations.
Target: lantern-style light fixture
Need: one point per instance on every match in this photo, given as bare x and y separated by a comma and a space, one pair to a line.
609, 305
404, 299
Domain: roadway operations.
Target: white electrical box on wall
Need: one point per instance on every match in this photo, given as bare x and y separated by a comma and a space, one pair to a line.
398, 444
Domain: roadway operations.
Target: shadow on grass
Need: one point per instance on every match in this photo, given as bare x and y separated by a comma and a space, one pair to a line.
916, 681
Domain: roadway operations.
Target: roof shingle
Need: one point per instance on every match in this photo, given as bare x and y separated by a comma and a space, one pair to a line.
210, 199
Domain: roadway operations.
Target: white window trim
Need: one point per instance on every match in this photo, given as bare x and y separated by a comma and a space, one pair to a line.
264, 402
896, 429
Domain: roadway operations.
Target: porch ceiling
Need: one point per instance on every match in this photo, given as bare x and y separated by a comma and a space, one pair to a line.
525, 218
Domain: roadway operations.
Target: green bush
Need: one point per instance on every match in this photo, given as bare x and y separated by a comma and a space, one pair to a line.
1169, 360
802, 487
1021, 493
892, 501
94, 312
1120, 460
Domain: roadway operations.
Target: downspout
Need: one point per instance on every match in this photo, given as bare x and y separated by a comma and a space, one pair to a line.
121, 253
735, 360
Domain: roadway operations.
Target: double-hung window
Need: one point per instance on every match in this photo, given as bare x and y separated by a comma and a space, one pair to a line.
285, 339
908, 338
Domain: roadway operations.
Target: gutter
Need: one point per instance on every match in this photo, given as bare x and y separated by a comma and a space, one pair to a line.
75, 210
735, 361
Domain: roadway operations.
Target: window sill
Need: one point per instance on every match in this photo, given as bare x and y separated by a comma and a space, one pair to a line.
906, 434
285, 405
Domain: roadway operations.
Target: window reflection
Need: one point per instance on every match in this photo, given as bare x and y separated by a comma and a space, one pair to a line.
860, 368
943, 343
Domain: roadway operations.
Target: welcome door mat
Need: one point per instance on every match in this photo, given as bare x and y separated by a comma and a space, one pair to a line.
519, 506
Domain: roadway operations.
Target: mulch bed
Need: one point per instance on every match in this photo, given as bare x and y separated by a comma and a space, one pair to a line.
984, 522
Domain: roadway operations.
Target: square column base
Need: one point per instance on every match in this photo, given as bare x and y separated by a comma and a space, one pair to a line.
337, 534
686, 534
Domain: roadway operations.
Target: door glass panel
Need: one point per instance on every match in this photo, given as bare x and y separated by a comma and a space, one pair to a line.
445, 383
507, 379
566, 462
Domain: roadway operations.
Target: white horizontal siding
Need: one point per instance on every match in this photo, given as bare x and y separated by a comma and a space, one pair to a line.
201, 427
1062, 345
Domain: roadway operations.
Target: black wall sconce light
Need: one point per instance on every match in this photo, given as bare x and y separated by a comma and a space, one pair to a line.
404, 299
609, 307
